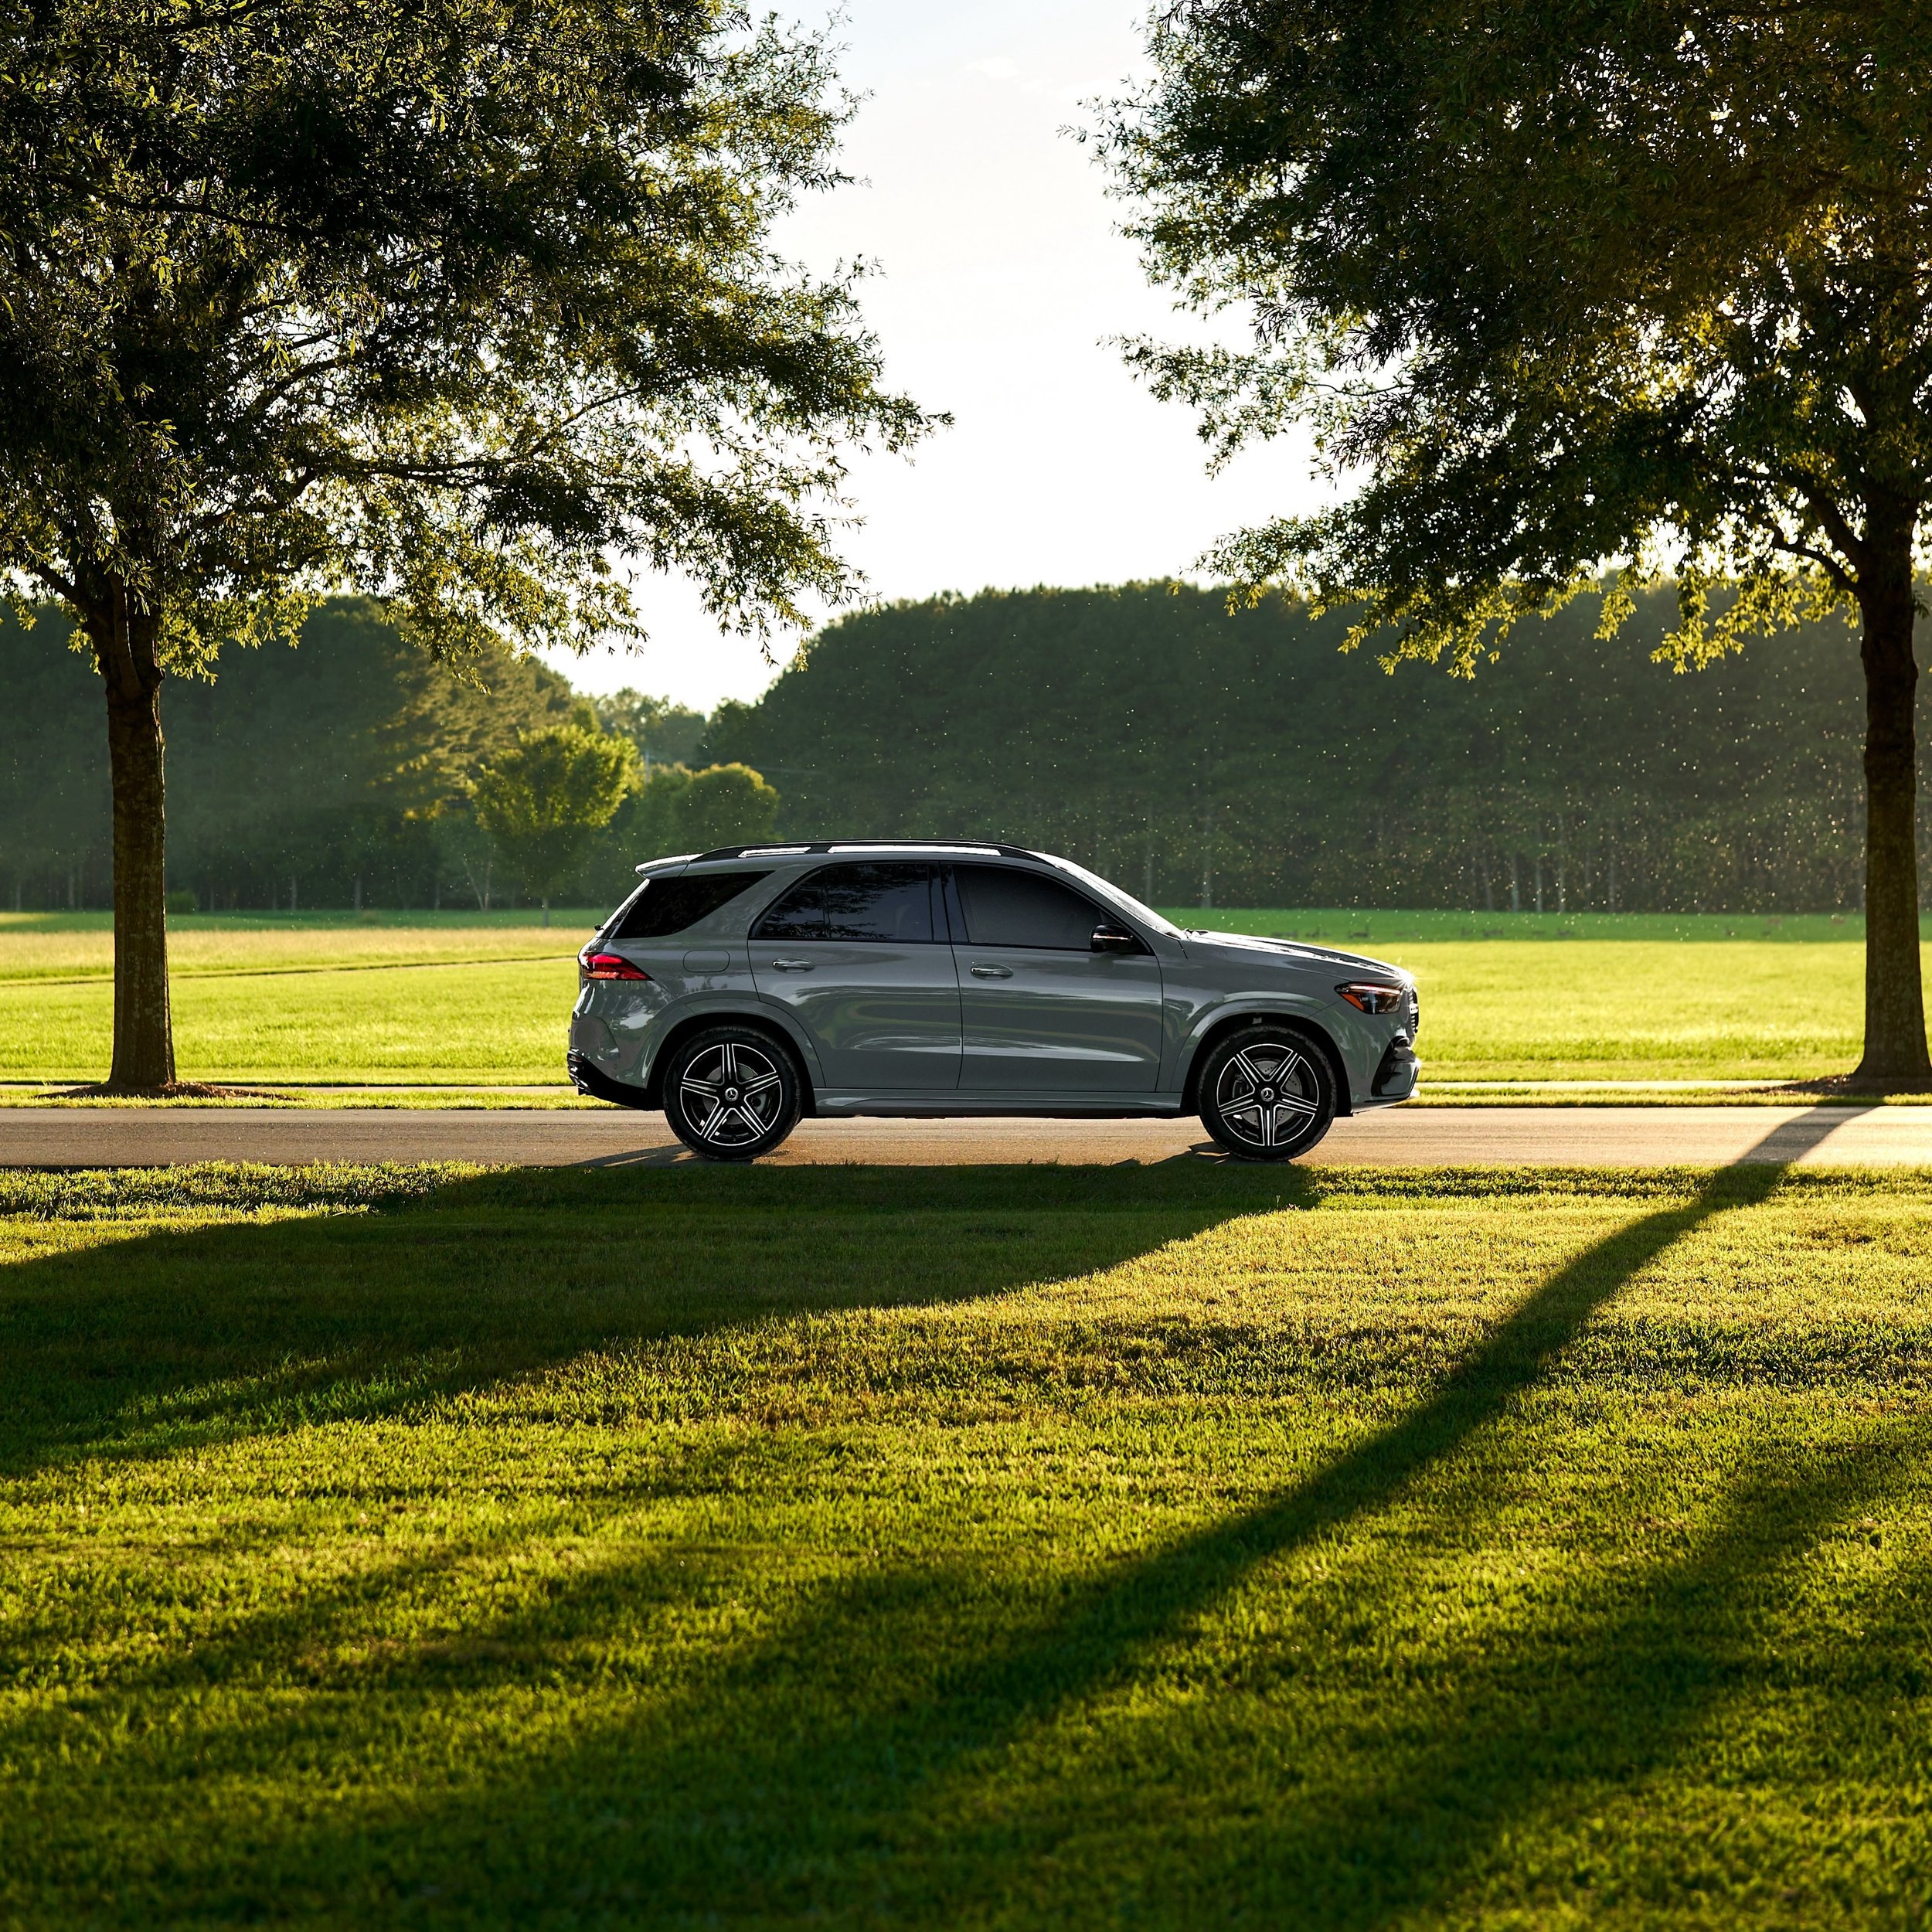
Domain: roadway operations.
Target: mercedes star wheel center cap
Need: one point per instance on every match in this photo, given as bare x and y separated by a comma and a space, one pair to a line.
1267, 1093
731, 1092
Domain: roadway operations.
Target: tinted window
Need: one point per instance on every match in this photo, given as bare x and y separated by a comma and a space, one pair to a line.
890, 903
669, 905
1005, 908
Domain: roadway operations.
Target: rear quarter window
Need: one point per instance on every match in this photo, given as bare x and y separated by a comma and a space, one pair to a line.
667, 906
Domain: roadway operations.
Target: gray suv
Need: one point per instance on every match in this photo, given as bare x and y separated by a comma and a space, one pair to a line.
738, 989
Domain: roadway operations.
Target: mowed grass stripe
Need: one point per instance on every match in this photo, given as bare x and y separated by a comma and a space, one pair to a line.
178, 973
495, 1008
1015, 1547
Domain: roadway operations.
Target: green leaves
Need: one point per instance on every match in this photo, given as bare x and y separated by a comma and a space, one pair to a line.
459, 303
1554, 286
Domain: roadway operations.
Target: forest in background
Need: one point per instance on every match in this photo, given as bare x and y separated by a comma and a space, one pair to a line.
1197, 756
332, 774
1202, 757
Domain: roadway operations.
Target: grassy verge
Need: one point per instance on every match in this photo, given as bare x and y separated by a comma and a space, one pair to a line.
1047, 1547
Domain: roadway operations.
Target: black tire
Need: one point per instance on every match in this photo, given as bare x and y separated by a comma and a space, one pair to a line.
733, 1093
1266, 1093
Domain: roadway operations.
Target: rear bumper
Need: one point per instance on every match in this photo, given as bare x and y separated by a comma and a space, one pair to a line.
586, 1079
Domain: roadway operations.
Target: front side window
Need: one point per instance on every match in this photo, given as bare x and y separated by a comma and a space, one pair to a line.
667, 906
1004, 907
893, 903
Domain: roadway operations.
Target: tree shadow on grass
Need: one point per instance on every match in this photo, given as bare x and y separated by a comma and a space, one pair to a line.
857, 1759
148, 1344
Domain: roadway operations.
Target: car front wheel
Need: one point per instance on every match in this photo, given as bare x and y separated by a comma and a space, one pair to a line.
732, 1093
1267, 1093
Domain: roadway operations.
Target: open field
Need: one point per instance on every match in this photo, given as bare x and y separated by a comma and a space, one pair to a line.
1359, 930
59, 947
455, 1000
1171, 1547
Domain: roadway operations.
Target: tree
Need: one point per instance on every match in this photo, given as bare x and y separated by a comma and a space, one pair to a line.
679, 810
543, 803
1573, 285
664, 733
458, 304
726, 805
652, 825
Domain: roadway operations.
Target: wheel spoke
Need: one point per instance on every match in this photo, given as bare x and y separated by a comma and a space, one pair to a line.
728, 1053
708, 1127
1267, 1096
758, 1084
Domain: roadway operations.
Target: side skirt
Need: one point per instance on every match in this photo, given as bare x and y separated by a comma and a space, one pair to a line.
1059, 1107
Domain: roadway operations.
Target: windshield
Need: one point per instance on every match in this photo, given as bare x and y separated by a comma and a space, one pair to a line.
1126, 901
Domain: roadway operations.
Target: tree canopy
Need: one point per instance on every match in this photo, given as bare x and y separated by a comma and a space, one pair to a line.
458, 304
543, 803
1557, 286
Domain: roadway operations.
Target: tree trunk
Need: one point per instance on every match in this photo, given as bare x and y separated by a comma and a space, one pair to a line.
125, 643
1895, 1049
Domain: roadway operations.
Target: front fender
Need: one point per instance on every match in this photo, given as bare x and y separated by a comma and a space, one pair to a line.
1316, 1014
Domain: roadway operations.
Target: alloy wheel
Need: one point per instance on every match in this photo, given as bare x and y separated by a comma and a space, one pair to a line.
1267, 1096
733, 1095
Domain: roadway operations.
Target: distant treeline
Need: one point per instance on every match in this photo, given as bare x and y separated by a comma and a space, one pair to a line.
1197, 756
332, 774
1200, 757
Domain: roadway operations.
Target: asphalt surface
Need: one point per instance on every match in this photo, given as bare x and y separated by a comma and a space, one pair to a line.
1432, 1136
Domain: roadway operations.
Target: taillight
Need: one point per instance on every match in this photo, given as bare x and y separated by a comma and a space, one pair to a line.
1371, 996
608, 966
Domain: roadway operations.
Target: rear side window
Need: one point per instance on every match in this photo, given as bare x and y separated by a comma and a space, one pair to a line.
1008, 908
667, 906
888, 902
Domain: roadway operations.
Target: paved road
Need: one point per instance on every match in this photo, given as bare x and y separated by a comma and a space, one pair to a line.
1435, 1136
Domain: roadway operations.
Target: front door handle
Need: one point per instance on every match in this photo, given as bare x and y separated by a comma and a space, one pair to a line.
992, 972
791, 965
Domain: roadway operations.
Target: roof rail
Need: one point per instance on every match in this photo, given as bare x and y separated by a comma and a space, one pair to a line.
786, 849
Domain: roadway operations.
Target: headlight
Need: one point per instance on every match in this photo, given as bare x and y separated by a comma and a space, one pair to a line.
1373, 996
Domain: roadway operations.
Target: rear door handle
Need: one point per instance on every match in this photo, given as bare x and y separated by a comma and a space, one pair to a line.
992, 972
791, 965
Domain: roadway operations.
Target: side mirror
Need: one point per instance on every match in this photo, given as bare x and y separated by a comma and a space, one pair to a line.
1114, 938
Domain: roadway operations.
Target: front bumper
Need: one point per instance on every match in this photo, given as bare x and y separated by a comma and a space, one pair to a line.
1397, 1073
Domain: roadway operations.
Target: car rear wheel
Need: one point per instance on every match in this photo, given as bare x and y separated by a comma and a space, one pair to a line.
1267, 1093
732, 1093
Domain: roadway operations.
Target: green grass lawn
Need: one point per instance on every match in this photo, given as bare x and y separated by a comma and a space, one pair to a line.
459, 1000
442, 998
1178, 1547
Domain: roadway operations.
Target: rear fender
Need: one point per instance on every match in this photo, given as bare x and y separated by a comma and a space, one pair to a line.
734, 1011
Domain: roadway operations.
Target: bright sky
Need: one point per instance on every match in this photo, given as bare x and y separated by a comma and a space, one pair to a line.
1000, 276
